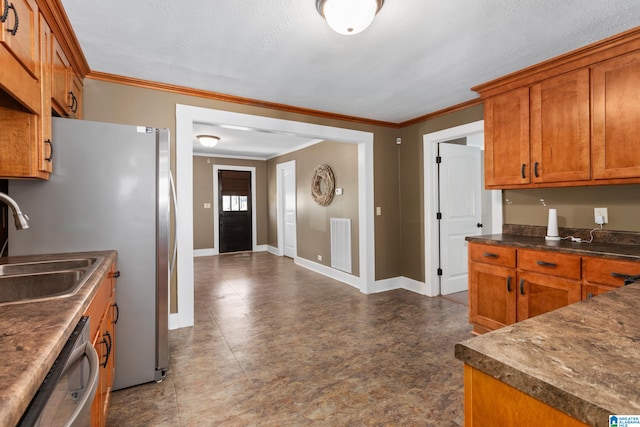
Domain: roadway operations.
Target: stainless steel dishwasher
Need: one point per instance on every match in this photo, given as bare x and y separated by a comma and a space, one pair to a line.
66, 394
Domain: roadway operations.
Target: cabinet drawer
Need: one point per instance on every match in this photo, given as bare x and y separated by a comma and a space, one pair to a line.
549, 262
491, 254
608, 271
99, 305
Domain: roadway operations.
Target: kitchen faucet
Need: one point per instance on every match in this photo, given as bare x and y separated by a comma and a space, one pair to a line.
22, 220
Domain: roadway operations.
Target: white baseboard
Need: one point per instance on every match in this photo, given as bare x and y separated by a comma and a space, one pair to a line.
260, 248
173, 321
386, 285
205, 252
414, 286
273, 250
329, 272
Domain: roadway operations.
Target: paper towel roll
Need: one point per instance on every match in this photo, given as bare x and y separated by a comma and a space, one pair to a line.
552, 225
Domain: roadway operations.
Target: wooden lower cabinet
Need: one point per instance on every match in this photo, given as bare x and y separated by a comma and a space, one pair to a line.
101, 312
508, 285
492, 296
539, 293
489, 402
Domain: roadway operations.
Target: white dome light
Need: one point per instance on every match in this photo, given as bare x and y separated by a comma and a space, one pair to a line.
208, 140
349, 17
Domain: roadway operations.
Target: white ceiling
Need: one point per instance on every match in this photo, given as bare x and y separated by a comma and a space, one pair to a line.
417, 57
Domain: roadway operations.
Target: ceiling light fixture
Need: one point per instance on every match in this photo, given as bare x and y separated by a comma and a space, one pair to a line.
349, 17
208, 140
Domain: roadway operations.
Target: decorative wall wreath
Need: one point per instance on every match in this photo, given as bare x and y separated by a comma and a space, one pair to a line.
323, 185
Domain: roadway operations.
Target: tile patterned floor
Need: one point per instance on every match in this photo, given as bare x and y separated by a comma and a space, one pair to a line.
277, 345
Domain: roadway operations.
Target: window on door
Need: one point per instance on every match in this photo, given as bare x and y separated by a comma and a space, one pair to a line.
232, 203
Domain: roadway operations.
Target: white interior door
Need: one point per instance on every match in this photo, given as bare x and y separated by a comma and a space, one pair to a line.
461, 209
289, 210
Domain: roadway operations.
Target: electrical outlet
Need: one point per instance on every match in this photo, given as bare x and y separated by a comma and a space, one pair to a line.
319, 257
601, 215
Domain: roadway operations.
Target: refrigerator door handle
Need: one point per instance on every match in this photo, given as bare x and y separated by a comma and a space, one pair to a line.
174, 211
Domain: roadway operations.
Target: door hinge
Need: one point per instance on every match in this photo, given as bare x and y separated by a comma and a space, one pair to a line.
438, 159
439, 272
439, 215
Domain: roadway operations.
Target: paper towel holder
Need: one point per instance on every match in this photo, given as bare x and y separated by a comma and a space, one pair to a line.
552, 226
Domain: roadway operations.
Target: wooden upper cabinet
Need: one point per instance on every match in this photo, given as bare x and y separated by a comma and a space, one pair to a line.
560, 128
66, 96
20, 33
45, 145
506, 124
19, 56
568, 121
616, 117
59, 87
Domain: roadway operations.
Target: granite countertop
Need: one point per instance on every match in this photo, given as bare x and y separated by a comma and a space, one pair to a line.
33, 334
582, 359
621, 251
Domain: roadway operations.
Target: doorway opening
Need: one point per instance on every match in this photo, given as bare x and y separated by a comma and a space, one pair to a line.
286, 209
234, 213
186, 115
453, 258
239, 224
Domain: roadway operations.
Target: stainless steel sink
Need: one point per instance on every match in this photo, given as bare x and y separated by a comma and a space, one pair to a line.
45, 266
44, 280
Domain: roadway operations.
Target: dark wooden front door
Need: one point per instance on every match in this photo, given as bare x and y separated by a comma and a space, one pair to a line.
234, 190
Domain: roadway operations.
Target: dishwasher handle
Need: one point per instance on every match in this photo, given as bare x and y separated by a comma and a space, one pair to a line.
86, 350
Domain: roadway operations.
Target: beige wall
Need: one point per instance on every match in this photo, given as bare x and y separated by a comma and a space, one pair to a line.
313, 220
119, 103
398, 173
411, 161
575, 206
203, 233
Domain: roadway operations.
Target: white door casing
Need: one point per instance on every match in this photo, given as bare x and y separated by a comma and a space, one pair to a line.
473, 132
461, 210
186, 115
286, 190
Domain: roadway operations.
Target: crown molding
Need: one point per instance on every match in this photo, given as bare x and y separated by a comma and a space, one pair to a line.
182, 90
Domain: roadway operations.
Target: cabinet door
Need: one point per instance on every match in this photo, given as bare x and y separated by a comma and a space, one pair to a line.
18, 143
560, 128
59, 80
492, 295
75, 94
590, 290
539, 293
506, 127
19, 33
45, 144
616, 117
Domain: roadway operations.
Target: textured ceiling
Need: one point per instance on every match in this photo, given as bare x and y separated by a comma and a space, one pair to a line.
417, 57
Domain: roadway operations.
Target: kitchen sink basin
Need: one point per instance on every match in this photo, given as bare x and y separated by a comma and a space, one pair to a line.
45, 266
44, 280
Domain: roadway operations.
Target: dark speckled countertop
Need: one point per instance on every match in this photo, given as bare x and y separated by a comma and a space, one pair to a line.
583, 360
33, 334
601, 249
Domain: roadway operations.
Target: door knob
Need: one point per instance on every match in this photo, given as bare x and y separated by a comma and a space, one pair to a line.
479, 225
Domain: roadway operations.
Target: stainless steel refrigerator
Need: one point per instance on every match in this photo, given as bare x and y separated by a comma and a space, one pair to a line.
110, 189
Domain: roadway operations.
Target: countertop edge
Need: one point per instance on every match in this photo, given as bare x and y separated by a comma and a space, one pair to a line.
21, 392
605, 250
546, 393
